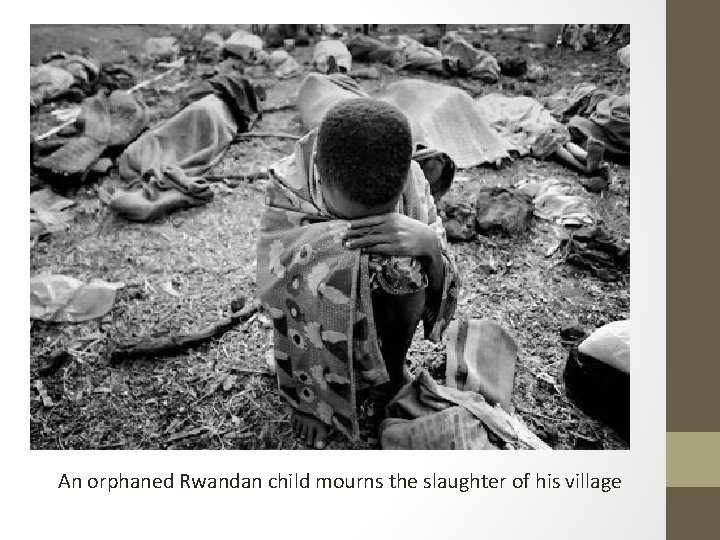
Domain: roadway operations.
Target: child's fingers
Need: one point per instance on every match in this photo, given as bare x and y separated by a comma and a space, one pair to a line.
372, 229
368, 221
367, 241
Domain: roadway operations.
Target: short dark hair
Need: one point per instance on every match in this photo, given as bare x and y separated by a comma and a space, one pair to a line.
364, 148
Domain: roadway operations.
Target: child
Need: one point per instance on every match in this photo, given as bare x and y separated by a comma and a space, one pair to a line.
351, 257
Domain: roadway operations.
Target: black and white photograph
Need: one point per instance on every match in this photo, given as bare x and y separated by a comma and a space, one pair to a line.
330, 236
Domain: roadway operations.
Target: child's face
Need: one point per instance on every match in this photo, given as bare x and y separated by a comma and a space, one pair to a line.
341, 206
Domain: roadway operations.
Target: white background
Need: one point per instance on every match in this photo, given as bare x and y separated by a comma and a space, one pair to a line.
33, 507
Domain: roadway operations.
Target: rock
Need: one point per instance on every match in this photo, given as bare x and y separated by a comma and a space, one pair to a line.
458, 217
502, 210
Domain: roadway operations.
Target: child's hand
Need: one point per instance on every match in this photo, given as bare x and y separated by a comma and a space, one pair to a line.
392, 234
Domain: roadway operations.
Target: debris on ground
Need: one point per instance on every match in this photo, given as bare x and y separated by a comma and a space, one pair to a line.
154, 347
605, 254
502, 210
49, 212
61, 298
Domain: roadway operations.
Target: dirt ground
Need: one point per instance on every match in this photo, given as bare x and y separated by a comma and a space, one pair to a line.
220, 396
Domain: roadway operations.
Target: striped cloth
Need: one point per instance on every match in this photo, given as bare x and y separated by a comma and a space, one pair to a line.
481, 358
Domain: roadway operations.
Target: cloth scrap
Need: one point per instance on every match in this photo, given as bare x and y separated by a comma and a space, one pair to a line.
318, 93
194, 139
48, 212
427, 416
554, 200
481, 357
447, 119
522, 120
60, 298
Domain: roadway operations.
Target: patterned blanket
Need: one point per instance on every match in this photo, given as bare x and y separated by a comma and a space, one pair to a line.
318, 293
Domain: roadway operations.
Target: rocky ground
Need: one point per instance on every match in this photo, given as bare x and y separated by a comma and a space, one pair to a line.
182, 272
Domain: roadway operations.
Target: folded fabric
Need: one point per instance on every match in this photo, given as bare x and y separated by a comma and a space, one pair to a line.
521, 120
194, 140
447, 119
486, 68
48, 82
481, 357
84, 70
454, 428
453, 44
417, 56
48, 212
74, 158
425, 58
243, 44
427, 416
61, 298
561, 103
159, 193
554, 201
402, 52
369, 49
240, 95
108, 121
477, 63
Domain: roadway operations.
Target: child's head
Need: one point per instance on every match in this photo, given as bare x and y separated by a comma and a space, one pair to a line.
364, 148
